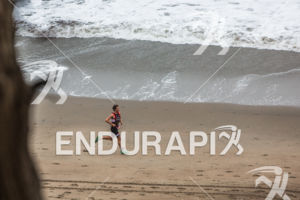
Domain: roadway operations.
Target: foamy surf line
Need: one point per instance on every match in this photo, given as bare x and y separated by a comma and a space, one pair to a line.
155, 71
264, 24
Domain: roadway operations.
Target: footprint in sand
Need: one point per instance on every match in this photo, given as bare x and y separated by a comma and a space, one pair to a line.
56, 163
60, 196
84, 165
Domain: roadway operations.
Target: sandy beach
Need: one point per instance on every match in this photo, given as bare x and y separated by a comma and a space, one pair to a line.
270, 137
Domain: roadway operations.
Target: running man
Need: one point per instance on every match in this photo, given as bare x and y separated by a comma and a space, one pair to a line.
114, 120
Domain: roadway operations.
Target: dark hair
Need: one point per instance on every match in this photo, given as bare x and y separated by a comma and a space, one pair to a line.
115, 107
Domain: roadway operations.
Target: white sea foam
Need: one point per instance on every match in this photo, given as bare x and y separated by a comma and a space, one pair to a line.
252, 89
264, 24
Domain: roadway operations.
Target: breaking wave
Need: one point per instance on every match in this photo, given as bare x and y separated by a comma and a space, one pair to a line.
264, 24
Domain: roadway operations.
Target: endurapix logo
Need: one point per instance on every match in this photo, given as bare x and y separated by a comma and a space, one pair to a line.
278, 186
175, 143
53, 77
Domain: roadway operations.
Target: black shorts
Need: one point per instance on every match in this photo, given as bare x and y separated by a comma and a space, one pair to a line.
115, 130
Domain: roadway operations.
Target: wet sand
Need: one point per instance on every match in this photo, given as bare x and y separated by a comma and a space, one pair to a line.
270, 137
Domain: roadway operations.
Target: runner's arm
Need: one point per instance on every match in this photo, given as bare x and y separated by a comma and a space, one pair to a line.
107, 120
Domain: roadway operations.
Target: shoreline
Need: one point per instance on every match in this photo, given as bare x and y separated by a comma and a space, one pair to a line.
266, 108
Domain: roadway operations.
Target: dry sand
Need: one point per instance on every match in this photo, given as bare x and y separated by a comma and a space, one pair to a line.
270, 136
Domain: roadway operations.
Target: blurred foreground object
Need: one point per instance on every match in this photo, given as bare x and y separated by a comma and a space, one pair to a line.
18, 177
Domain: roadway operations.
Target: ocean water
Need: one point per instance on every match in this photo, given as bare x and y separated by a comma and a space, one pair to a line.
265, 24
144, 49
